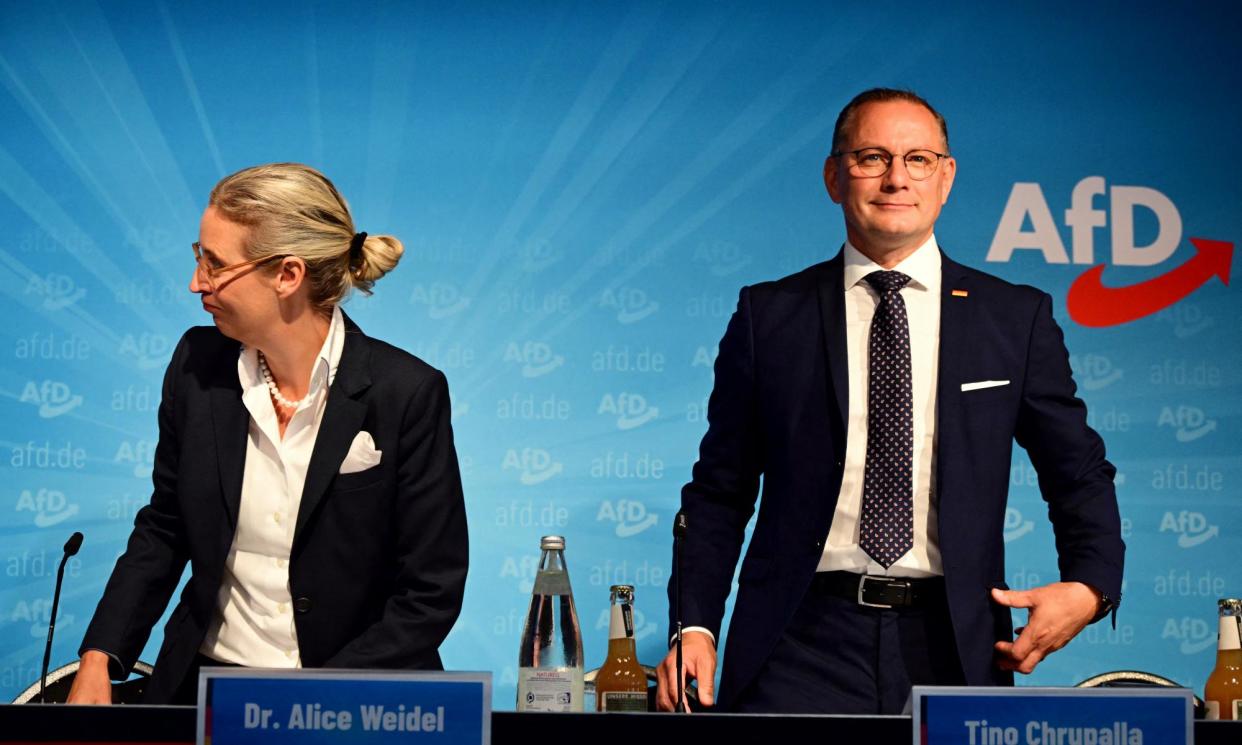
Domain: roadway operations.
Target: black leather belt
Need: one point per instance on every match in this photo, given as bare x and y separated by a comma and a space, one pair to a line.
880, 592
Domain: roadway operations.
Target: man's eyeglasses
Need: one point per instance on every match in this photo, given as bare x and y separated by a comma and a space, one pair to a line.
875, 161
210, 275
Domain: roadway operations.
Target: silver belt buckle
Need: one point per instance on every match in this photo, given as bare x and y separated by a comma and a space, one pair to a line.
863, 583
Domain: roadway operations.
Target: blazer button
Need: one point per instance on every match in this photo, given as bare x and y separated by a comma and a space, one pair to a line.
302, 605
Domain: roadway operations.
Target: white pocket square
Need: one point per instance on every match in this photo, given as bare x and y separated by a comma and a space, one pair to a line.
983, 384
362, 454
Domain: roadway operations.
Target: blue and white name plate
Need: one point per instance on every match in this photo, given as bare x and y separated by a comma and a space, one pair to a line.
335, 707
1052, 716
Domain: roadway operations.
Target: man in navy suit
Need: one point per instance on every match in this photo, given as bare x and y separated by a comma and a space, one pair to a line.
878, 396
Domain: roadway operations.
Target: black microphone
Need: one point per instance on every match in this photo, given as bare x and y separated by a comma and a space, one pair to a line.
679, 532
72, 546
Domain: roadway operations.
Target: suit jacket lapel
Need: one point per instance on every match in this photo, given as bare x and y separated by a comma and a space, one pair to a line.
957, 348
231, 422
832, 310
342, 419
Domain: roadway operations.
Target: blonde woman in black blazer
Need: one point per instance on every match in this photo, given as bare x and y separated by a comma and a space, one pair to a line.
305, 471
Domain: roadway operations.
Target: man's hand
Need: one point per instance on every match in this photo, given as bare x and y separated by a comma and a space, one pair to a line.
698, 662
92, 685
1057, 613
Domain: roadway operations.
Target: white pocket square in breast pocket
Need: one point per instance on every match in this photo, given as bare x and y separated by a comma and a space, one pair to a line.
980, 384
362, 454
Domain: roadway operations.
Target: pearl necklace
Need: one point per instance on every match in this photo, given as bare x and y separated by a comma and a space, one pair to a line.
277, 396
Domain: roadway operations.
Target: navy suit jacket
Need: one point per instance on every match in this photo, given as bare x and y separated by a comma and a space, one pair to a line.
378, 563
778, 411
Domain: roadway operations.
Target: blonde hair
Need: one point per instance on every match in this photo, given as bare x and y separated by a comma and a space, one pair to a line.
295, 210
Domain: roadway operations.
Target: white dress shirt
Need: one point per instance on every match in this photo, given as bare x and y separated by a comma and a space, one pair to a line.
922, 299
253, 624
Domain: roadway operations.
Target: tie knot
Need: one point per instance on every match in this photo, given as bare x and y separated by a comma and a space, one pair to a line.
888, 282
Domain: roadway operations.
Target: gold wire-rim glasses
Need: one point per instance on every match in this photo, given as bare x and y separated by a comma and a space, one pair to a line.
211, 273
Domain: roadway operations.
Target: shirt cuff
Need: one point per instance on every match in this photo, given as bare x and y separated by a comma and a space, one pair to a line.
673, 639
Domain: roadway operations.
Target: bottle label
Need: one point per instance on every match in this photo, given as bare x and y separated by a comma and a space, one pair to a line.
552, 582
621, 622
1230, 636
550, 689
625, 701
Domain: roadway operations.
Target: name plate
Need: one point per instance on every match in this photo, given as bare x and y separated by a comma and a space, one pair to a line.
1052, 716
273, 707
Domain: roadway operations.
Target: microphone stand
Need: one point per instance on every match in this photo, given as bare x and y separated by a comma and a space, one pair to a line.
679, 533
71, 547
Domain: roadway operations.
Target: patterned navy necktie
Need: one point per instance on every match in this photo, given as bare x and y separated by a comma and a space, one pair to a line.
887, 531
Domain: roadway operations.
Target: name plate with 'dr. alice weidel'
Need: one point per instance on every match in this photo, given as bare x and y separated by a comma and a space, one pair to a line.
237, 706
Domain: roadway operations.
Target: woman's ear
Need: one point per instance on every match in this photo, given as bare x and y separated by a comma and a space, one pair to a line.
290, 275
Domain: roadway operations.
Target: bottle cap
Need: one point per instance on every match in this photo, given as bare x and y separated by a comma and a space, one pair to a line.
552, 543
1230, 606
623, 588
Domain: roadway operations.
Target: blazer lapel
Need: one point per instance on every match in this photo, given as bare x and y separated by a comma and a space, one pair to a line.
231, 423
957, 347
832, 310
342, 420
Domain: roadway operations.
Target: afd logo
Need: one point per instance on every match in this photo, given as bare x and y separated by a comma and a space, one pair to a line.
704, 357
1188, 320
535, 357
1192, 528
57, 290
1190, 422
630, 515
534, 465
537, 254
152, 242
138, 454
643, 627
1094, 371
521, 570
1194, 634
38, 613
721, 257
52, 397
458, 407
1015, 525
1090, 302
442, 299
150, 350
630, 409
50, 506
631, 304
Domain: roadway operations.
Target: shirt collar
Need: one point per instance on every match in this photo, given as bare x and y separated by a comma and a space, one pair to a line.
326, 363
922, 266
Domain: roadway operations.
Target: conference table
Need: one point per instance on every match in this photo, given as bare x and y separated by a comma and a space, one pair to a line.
59, 723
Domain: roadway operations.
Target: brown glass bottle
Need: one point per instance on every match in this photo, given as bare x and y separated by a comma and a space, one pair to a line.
621, 683
1223, 693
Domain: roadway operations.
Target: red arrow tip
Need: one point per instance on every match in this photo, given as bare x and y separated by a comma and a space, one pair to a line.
1216, 254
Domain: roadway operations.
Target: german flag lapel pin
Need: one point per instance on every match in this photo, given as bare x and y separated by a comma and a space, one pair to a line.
959, 293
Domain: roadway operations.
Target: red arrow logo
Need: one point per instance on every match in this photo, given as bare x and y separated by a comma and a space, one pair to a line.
1092, 304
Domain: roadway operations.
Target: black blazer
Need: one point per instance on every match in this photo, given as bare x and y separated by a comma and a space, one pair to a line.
378, 563
778, 410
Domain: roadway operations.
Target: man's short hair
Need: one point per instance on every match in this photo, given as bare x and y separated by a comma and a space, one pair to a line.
845, 119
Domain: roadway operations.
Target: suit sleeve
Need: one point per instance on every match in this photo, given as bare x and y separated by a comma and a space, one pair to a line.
146, 575
720, 497
432, 541
1075, 479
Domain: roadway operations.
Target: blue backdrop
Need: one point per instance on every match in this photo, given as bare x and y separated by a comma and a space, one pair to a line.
582, 188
